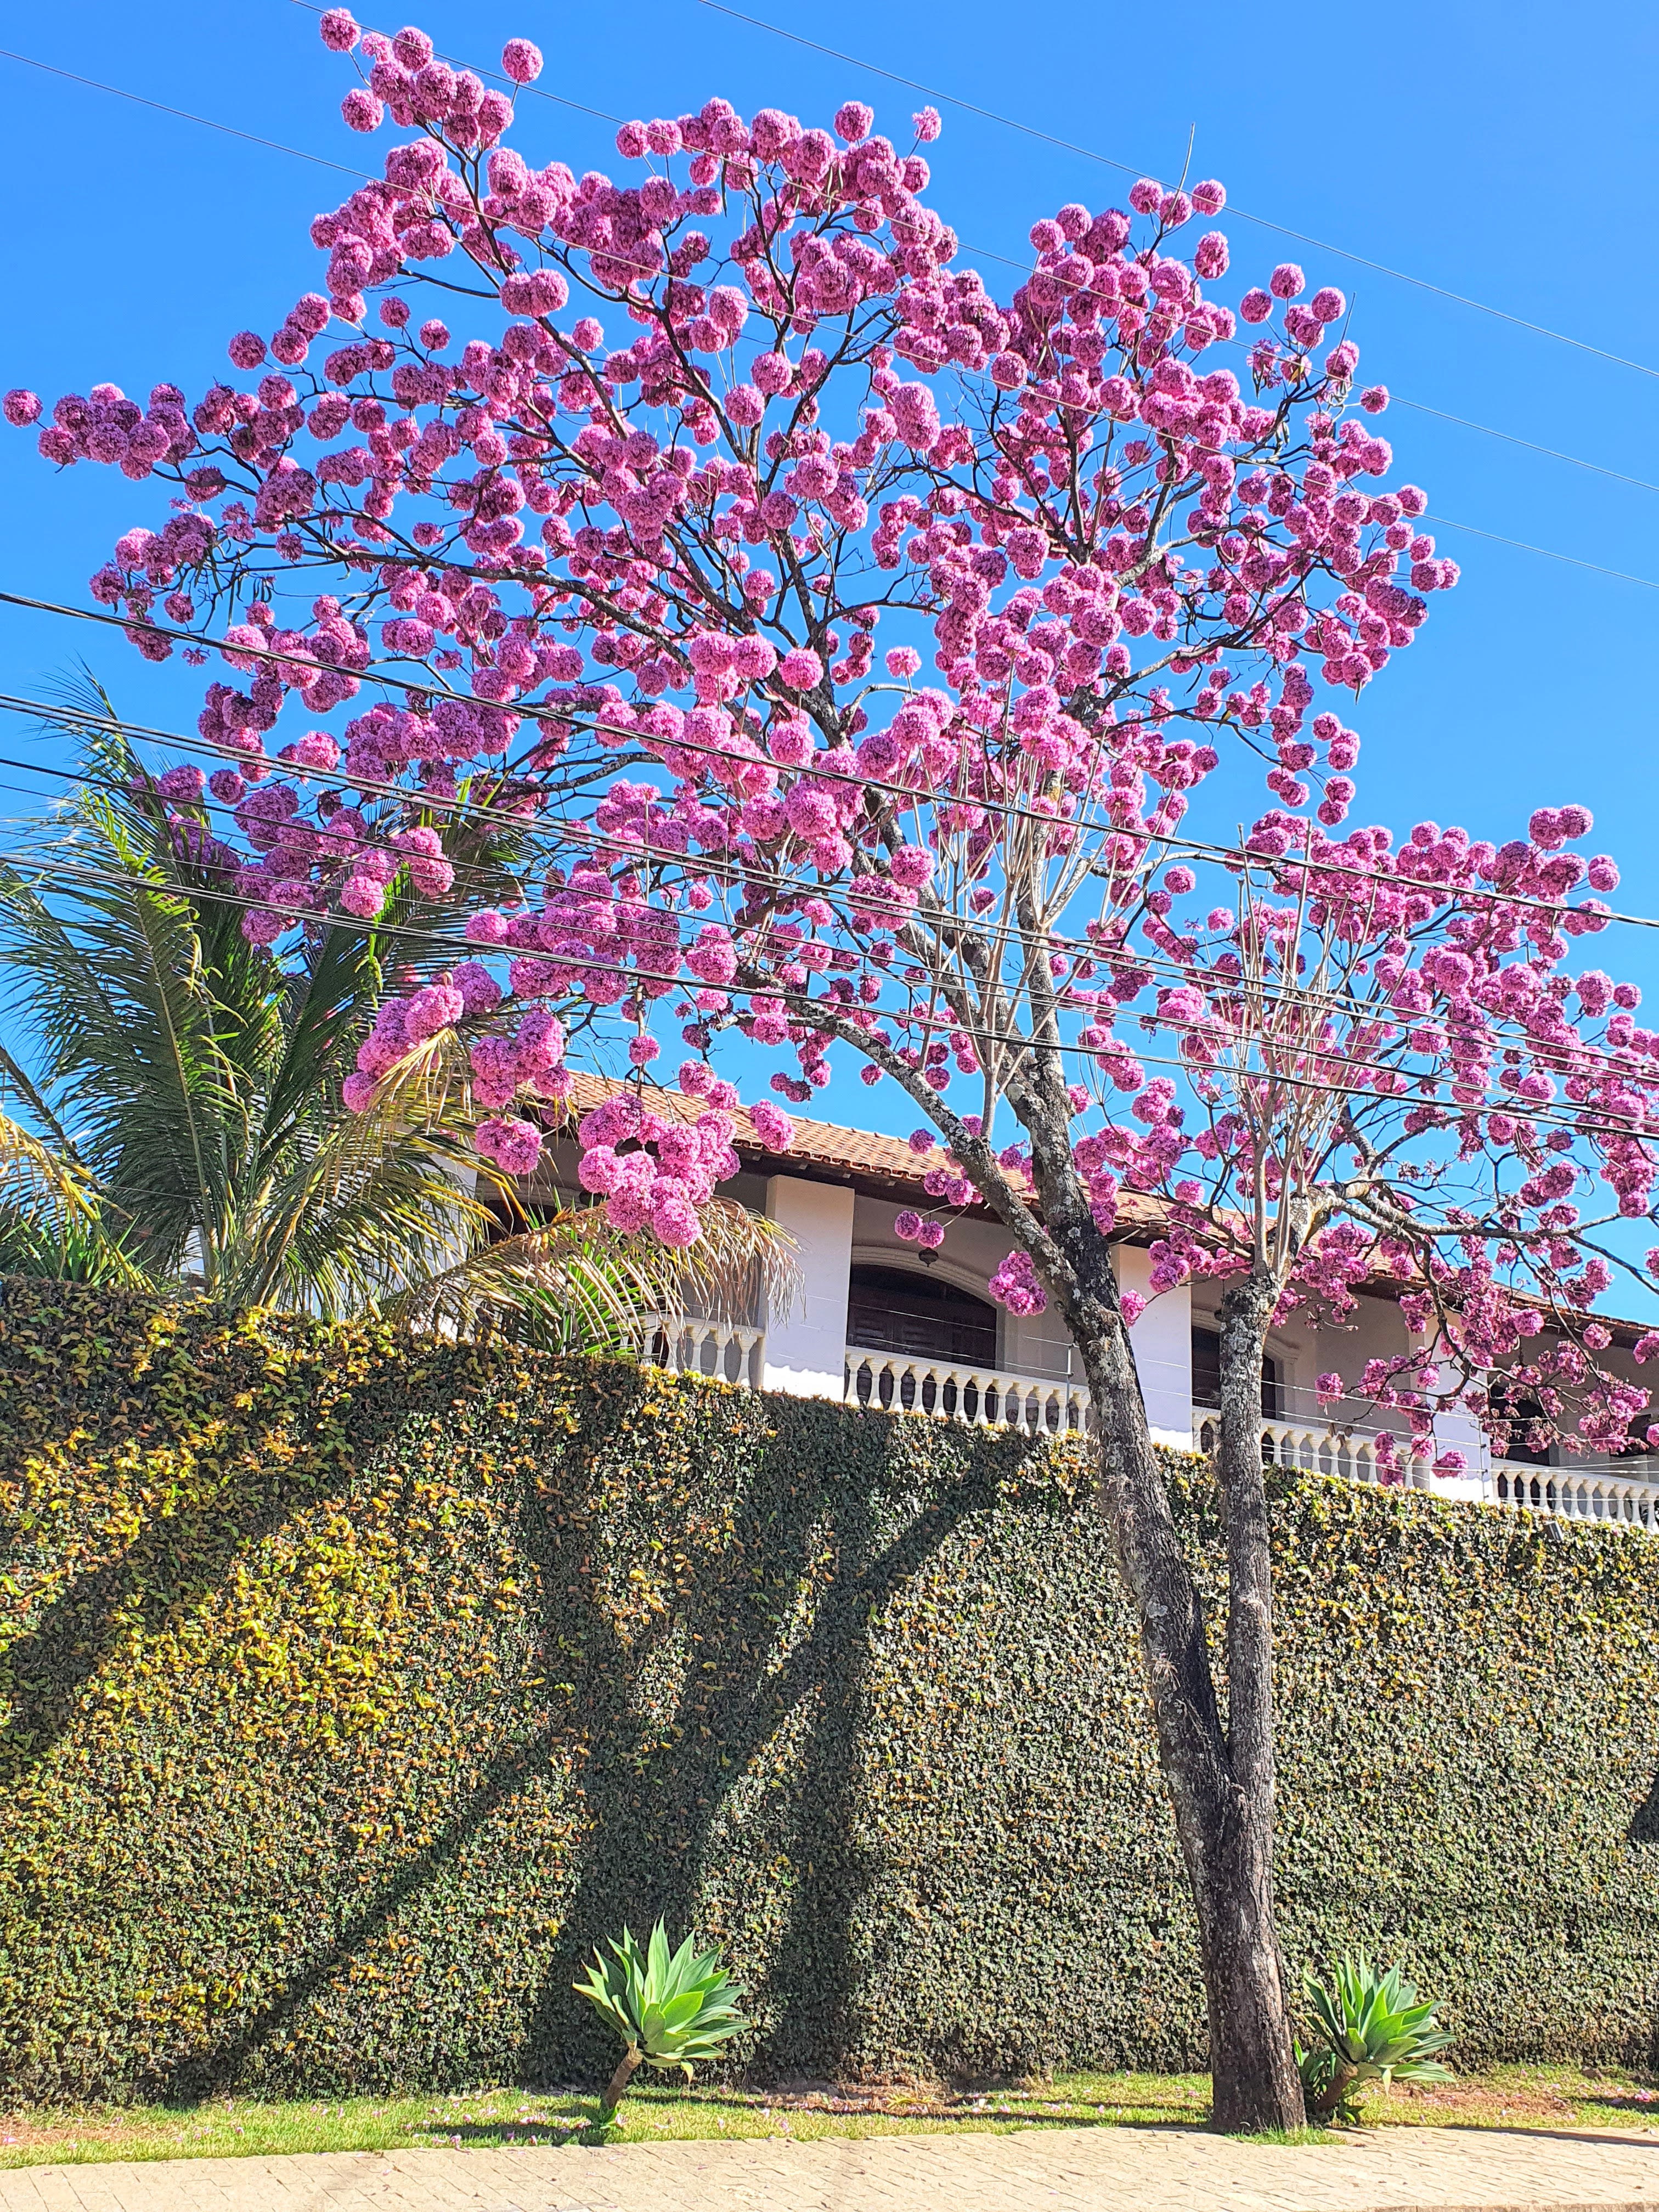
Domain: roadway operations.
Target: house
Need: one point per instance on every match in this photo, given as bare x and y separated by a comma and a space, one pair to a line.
879, 1321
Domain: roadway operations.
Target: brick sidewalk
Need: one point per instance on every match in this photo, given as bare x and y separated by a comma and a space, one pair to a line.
1106, 2169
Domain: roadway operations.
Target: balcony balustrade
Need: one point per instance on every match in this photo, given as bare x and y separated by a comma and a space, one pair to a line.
986, 1397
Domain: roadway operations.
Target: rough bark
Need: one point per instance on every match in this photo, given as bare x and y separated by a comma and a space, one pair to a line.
1223, 1811
1259, 2062
1223, 1818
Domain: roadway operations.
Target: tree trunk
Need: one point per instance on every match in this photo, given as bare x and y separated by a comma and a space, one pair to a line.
1262, 2071
1224, 1815
627, 2066
1255, 2084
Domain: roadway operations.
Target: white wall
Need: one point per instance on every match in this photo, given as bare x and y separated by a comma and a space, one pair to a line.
974, 1247
1038, 1344
1375, 1330
805, 1349
1161, 1341
1458, 1430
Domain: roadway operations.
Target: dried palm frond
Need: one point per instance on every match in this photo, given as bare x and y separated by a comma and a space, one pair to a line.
574, 1283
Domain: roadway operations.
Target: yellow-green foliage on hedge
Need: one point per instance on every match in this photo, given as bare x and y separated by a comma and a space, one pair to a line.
352, 1689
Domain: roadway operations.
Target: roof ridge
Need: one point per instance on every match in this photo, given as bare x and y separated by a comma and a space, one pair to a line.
886, 1167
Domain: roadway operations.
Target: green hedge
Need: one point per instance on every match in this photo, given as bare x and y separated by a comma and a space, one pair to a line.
351, 1691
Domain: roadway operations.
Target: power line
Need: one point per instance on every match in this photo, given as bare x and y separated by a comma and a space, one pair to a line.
1128, 169
1433, 1231
1344, 1004
1550, 452
912, 1020
1170, 840
1395, 398
94, 879
207, 122
1325, 1001
986, 253
811, 1011
1466, 422
1445, 522
1000, 932
1463, 422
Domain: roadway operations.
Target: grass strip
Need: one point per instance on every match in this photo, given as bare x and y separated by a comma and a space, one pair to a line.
1543, 2097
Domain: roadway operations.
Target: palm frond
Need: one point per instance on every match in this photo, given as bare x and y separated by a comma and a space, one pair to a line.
342, 968
328, 1000
743, 1263
546, 1287
574, 1283
185, 1085
76, 1249
52, 1221
355, 1208
36, 1179
120, 1001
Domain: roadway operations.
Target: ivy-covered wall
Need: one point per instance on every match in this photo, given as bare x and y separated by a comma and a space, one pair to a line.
351, 1691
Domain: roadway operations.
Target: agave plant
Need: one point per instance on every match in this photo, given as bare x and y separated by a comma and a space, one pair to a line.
671, 2009
1372, 2027
175, 1115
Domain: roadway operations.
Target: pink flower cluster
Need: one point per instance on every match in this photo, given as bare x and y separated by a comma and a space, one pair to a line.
530, 1059
773, 1128
402, 1027
1015, 1286
653, 1172
1484, 1087
515, 1146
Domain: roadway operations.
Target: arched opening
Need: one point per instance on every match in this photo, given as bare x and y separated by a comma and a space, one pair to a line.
924, 1317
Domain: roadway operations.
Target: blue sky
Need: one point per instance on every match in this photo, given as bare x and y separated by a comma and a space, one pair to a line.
1483, 150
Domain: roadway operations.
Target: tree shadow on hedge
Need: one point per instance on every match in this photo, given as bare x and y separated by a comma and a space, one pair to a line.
379, 1431
652, 1809
195, 2074
174, 1565
656, 1815
178, 1560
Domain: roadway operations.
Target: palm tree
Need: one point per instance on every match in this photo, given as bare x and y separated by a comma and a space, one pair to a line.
181, 1123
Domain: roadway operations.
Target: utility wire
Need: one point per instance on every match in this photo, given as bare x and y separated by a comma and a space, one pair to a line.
1614, 1125
1462, 421
207, 122
1169, 841
1106, 160
1544, 552
1486, 429
1326, 1001
1399, 399
1434, 1231
1528, 444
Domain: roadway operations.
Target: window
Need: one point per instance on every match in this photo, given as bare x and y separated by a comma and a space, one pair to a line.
893, 1310
1206, 1375
1529, 1426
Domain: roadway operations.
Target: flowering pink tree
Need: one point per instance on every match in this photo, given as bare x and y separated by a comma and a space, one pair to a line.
1395, 1075
627, 594
1392, 1074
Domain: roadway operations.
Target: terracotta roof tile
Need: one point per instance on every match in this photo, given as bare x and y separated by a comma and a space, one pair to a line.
859, 1156
885, 1167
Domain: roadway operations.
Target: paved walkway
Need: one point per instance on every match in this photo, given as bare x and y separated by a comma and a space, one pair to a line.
1107, 2169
